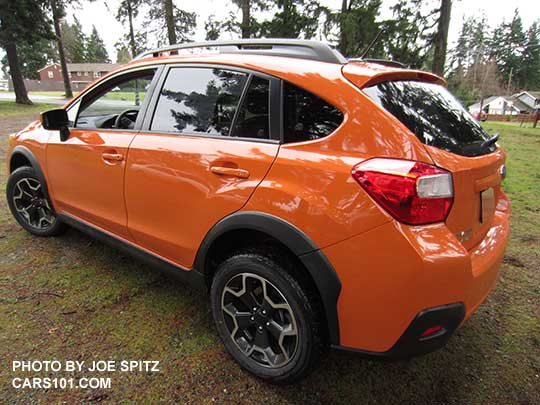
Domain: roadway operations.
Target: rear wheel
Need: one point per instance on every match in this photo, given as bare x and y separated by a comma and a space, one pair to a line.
265, 318
29, 205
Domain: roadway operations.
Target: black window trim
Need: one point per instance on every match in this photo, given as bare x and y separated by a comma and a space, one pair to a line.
95, 89
275, 132
241, 102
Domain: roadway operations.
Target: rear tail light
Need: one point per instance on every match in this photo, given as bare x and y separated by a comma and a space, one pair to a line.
414, 193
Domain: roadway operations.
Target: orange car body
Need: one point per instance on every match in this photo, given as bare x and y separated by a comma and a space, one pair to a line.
164, 193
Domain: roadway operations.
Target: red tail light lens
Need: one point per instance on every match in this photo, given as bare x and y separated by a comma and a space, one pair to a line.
412, 192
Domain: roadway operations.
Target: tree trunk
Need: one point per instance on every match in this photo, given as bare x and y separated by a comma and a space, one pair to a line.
131, 30
169, 20
246, 19
441, 38
343, 45
61, 53
21, 95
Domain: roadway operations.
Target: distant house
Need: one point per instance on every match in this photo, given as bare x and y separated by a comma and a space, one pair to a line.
496, 105
531, 99
79, 73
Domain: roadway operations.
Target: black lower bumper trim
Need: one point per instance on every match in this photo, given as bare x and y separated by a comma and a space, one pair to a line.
411, 343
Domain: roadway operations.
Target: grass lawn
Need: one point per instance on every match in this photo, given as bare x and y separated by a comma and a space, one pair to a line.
73, 298
10, 109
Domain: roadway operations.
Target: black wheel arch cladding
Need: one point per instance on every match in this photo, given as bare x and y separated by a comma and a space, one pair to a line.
29, 155
321, 271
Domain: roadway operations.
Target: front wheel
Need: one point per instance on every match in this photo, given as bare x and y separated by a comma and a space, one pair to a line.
29, 205
266, 320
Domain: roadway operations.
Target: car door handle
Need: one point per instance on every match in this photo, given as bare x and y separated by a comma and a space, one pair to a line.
229, 171
115, 157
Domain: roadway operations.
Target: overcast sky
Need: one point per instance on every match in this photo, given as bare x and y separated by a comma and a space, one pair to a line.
101, 13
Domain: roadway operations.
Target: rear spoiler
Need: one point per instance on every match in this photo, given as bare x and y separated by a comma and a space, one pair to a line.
367, 74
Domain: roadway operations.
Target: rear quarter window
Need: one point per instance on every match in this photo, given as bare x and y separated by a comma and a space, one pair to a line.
433, 115
307, 116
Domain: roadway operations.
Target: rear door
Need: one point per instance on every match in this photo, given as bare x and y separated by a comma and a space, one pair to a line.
199, 157
456, 142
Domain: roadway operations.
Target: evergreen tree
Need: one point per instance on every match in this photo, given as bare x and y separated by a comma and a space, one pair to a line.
213, 28
407, 35
440, 38
531, 58
166, 19
127, 12
357, 27
123, 54
470, 50
58, 10
246, 27
33, 56
21, 21
294, 19
74, 41
506, 47
473, 75
95, 49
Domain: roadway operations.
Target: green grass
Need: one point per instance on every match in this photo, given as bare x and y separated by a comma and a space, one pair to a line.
10, 109
72, 297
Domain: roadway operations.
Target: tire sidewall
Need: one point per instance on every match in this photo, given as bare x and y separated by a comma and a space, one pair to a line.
15, 176
271, 271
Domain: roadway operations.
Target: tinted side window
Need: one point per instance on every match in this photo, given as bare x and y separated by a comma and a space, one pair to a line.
253, 115
198, 100
306, 116
121, 96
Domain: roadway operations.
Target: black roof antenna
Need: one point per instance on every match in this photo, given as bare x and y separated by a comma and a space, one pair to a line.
371, 44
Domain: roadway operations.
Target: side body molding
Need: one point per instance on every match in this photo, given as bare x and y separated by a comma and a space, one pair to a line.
318, 266
27, 153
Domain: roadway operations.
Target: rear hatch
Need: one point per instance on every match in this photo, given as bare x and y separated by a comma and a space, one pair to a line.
456, 142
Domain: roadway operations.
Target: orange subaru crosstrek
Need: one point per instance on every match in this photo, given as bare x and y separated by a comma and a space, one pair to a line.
322, 202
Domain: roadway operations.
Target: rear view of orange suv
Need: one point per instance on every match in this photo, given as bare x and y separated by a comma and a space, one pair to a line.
322, 203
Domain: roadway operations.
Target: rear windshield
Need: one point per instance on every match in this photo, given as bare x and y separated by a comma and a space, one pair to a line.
433, 115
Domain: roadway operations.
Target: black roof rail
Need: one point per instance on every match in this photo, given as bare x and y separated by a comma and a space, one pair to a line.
292, 48
385, 62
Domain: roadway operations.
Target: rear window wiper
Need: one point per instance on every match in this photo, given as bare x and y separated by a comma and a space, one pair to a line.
490, 141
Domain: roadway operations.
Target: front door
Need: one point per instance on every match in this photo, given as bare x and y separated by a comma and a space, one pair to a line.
208, 146
86, 172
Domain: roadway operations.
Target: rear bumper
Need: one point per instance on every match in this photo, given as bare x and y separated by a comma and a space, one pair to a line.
412, 343
393, 273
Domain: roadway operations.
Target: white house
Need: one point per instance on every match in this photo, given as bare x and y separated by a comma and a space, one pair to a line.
529, 98
498, 105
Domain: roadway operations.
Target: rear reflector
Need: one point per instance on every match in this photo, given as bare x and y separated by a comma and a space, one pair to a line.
414, 193
431, 331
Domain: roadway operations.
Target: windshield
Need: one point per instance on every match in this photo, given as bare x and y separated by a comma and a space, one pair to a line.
433, 115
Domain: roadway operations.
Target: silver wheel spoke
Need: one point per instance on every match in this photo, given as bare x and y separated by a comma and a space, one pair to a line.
31, 204
259, 319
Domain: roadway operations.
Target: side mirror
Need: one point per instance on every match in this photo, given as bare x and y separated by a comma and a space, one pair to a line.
56, 120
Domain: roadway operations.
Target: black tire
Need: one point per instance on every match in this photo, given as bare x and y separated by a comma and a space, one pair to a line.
29, 205
299, 314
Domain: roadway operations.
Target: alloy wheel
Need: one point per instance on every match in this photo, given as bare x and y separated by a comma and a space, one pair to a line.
259, 319
32, 205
